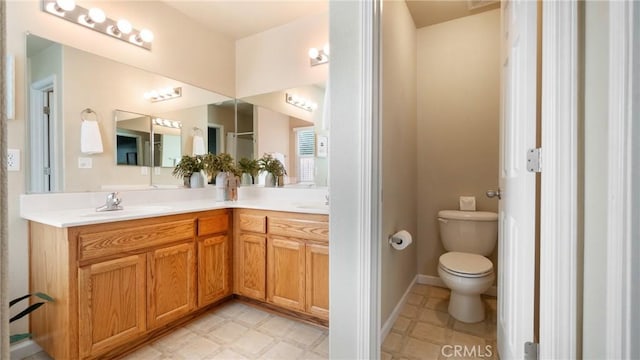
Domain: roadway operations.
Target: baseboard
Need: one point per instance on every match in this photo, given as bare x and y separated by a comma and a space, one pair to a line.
24, 349
436, 281
386, 328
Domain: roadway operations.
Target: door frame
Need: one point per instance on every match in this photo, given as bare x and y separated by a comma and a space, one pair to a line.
560, 187
36, 149
623, 200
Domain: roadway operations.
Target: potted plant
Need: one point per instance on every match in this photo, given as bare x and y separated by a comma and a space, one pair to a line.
25, 312
275, 170
220, 167
250, 168
190, 169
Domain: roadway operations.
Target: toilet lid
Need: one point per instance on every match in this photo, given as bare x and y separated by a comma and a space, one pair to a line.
466, 264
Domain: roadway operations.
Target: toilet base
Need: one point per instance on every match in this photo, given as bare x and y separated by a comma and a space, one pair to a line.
466, 308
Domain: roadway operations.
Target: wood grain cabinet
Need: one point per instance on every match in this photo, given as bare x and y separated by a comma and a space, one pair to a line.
214, 258
111, 302
283, 258
119, 284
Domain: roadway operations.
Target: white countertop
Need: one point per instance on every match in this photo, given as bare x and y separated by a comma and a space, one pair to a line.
138, 208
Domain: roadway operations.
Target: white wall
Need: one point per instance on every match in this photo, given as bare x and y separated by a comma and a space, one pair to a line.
278, 58
210, 65
596, 112
458, 122
399, 175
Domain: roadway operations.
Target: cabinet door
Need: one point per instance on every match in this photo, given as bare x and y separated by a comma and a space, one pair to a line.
111, 300
214, 273
286, 272
171, 292
317, 286
252, 266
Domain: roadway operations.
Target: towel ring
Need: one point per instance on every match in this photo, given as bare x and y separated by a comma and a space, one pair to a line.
88, 111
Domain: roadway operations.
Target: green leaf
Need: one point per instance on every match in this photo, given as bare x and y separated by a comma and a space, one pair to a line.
44, 296
18, 337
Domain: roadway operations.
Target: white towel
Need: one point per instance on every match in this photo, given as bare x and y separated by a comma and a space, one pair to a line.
90, 139
198, 145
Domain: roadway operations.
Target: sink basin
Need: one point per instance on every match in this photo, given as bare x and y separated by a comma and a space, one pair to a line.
129, 210
318, 205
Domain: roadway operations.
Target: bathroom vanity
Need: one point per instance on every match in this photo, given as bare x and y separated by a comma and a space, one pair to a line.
121, 280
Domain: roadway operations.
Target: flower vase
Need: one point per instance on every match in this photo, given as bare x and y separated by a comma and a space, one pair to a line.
197, 180
269, 180
246, 179
221, 181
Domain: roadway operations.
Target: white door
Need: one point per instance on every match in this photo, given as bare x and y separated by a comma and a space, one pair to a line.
516, 246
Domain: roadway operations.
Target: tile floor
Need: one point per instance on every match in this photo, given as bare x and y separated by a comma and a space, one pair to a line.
425, 330
236, 331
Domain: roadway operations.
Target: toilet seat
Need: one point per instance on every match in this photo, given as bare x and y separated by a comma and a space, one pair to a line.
465, 264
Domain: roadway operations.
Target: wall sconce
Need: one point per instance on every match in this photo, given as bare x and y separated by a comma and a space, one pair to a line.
97, 20
300, 102
163, 94
319, 56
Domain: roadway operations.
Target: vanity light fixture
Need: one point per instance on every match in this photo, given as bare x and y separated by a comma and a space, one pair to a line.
97, 20
319, 56
167, 123
300, 102
163, 94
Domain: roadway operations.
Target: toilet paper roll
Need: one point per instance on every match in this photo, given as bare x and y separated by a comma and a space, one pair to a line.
401, 240
468, 203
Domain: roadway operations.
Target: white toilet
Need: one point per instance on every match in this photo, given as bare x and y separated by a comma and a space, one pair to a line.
468, 236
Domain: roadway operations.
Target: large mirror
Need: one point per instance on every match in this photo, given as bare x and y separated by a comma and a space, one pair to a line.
63, 81
295, 133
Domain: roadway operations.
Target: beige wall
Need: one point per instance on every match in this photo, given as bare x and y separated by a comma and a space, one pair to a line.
272, 133
210, 65
278, 58
398, 151
458, 122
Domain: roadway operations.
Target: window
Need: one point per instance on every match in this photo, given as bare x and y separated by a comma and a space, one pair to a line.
305, 152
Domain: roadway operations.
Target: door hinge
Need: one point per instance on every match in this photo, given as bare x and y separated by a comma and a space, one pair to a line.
531, 351
46, 110
534, 160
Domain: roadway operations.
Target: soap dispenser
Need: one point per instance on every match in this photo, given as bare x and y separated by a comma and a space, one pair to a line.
231, 187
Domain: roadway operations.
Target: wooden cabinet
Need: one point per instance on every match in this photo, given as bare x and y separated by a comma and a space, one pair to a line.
119, 284
317, 280
286, 272
172, 289
285, 254
251, 266
111, 302
214, 259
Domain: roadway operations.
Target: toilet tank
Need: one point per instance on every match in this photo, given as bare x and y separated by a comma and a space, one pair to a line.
473, 232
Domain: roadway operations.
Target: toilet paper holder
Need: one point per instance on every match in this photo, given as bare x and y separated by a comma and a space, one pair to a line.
394, 240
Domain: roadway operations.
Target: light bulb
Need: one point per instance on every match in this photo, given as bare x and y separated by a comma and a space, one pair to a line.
146, 35
313, 53
326, 49
66, 5
96, 15
124, 26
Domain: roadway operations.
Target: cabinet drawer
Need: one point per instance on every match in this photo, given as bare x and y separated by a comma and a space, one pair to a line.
213, 224
253, 223
104, 243
305, 229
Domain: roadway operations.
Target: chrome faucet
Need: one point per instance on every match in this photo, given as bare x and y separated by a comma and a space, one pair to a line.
326, 199
112, 203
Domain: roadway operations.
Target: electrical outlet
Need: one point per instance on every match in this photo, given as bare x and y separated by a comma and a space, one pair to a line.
144, 171
13, 160
156, 171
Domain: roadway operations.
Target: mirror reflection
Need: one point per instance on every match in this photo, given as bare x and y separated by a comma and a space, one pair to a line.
291, 133
65, 80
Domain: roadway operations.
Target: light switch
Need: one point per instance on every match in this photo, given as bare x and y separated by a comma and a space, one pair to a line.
13, 160
85, 163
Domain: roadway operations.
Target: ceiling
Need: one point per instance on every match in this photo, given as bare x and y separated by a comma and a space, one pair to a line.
241, 18
430, 12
